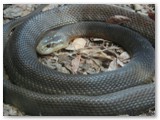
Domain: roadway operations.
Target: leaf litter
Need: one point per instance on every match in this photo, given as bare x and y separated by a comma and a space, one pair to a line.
87, 56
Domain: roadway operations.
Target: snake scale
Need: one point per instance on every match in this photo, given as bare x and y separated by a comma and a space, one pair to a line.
37, 89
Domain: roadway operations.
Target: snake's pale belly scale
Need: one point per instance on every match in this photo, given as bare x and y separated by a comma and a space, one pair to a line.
37, 89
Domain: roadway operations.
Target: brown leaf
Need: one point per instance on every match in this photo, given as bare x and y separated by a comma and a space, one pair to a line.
77, 44
113, 48
113, 65
118, 19
86, 51
90, 62
62, 69
96, 53
93, 65
120, 63
75, 64
102, 56
98, 62
111, 53
91, 71
124, 56
64, 59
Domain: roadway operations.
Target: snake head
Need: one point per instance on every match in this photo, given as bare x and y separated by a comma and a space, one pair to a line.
52, 42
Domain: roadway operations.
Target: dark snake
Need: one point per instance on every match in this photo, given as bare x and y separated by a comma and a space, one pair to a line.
39, 90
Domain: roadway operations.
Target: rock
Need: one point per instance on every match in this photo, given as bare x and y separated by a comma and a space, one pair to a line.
9, 110
12, 12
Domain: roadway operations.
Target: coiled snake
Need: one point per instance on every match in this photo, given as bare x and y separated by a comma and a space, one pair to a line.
37, 89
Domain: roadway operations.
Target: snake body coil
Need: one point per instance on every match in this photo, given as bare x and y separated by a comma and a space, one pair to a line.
37, 89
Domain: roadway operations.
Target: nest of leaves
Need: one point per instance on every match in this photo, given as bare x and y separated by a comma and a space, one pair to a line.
87, 56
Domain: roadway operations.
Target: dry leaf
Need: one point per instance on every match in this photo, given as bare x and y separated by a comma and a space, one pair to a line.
64, 59
61, 69
113, 48
111, 53
90, 62
97, 53
93, 58
118, 19
124, 56
64, 70
77, 44
75, 64
113, 65
98, 62
120, 63
106, 56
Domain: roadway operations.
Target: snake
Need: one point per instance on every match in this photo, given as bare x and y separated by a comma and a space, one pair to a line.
38, 90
